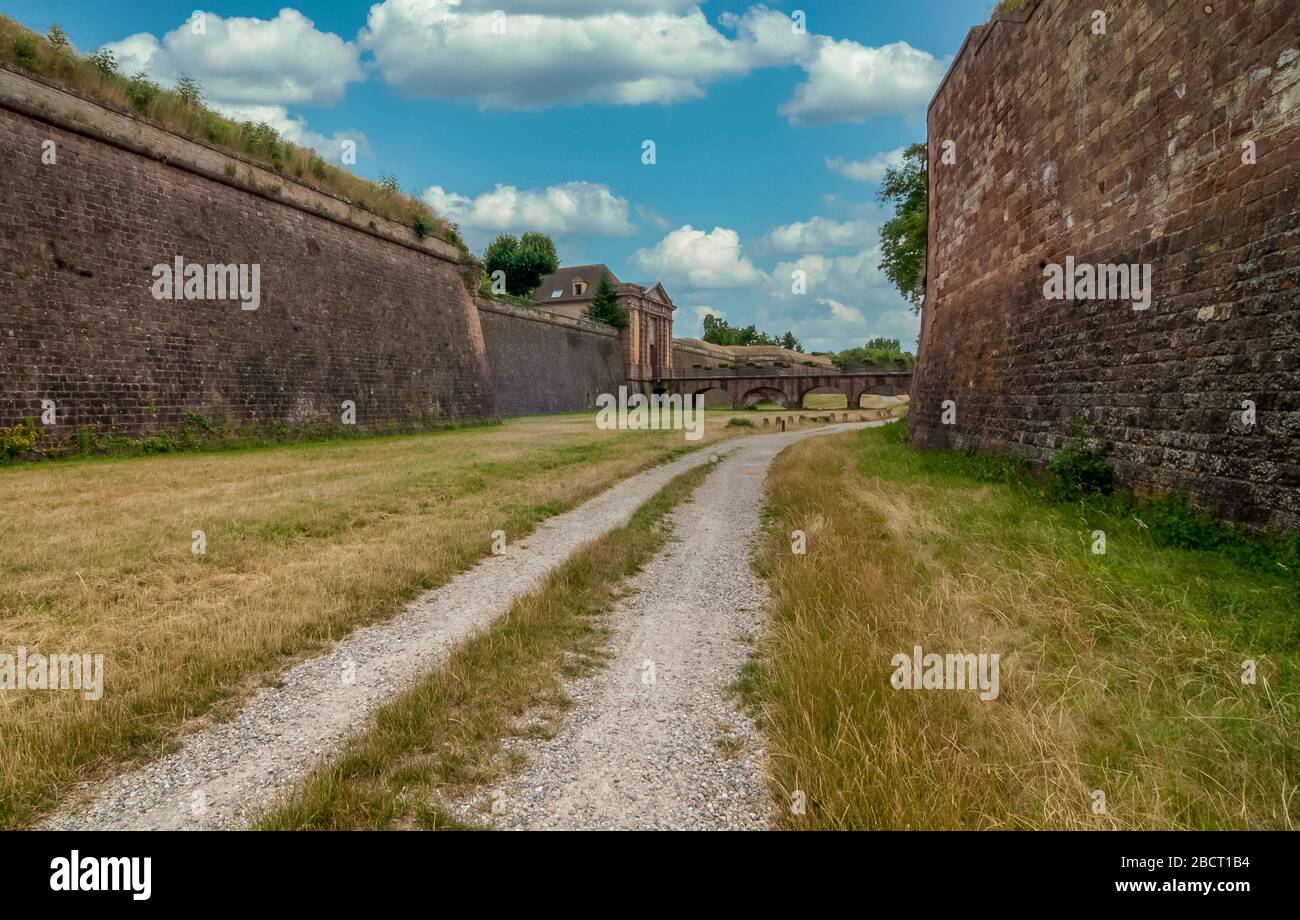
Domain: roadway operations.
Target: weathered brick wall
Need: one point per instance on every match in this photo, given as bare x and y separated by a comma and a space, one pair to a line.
1125, 147
353, 306
544, 363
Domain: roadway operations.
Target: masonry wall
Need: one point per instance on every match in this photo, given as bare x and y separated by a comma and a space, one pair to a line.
353, 306
1125, 147
544, 362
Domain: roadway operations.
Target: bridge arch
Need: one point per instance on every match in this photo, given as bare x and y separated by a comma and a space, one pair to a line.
825, 390
715, 397
763, 394
878, 389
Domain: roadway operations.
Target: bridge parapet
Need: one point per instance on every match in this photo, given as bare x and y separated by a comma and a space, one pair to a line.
698, 373
745, 386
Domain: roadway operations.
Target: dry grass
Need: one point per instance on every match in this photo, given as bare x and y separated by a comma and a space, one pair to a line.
304, 544
443, 737
1118, 672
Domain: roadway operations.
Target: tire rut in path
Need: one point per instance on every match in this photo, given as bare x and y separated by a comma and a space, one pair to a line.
654, 739
225, 775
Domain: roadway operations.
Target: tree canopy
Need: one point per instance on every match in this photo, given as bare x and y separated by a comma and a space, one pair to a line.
525, 261
877, 351
902, 237
717, 331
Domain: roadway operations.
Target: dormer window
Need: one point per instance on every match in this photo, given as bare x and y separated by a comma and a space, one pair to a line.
579, 287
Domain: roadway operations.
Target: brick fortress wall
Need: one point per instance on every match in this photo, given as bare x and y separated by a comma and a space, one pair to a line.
1123, 147
353, 306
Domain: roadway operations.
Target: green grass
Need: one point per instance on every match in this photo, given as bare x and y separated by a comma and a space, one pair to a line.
443, 738
1120, 672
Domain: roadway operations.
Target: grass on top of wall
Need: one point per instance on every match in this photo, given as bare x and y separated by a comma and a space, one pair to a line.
1008, 6
96, 76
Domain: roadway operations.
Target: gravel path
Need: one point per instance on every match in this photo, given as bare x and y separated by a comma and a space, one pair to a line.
654, 739
224, 775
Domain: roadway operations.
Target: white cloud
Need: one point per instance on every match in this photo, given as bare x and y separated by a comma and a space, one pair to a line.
574, 7
819, 234
768, 37
651, 216
871, 169
571, 208
699, 260
527, 60
852, 82
847, 301
246, 61
630, 52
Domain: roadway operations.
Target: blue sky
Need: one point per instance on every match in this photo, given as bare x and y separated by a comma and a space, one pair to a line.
770, 131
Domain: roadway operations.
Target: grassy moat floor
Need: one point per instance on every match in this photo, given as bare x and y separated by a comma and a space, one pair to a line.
303, 544
1122, 702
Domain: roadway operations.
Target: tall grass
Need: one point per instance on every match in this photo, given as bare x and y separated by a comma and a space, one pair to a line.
97, 76
1119, 672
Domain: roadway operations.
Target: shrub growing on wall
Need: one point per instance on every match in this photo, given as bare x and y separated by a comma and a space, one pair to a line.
1077, 470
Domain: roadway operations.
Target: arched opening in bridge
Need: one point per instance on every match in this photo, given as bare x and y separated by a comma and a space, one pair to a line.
882, 396
825, 398
764, 398
715, 398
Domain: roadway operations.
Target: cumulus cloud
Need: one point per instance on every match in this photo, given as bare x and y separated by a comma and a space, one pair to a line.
871, 169
248, 61
698, 259
848, 81
630, 52
570, 208
530, 60
847, 301
819, 234
574, 7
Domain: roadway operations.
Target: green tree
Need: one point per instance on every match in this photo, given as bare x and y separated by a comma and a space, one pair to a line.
902, 237
536, 259
500, 256
885, 344
189, 90
59, 39
104, 61
525, 261
604, 306
718, 331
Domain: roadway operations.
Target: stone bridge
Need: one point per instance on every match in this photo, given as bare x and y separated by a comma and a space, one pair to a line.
786, 386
